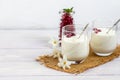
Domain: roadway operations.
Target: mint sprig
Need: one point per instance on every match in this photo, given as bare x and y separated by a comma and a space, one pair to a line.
68, 10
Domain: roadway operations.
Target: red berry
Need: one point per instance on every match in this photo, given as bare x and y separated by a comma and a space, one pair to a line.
99, 30
94, 29
70, 35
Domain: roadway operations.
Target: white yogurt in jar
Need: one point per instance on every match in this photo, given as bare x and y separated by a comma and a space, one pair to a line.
103, 42
75, 48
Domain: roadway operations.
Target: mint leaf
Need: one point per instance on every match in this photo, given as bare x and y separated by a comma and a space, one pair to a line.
68, 10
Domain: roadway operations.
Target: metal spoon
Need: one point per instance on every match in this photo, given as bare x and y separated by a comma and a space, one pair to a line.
113, 25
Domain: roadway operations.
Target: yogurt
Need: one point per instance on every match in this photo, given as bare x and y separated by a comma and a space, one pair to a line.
103, 42
75, 48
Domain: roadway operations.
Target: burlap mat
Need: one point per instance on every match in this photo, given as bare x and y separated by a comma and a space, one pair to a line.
91, 62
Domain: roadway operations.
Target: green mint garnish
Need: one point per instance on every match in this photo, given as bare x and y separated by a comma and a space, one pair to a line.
68, 10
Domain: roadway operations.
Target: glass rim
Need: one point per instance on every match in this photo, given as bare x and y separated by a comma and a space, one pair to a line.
77, 26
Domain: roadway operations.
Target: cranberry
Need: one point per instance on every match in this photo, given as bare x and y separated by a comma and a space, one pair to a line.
99, 30
96, 30
70, 35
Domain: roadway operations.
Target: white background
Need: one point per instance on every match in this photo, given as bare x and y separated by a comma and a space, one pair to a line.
19, 48
44, 13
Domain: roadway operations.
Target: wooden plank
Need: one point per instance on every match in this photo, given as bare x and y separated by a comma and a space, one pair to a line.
25, 38
14, 55
109, 77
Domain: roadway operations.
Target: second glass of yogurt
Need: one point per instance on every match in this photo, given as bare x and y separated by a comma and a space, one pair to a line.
103, 40
75, 43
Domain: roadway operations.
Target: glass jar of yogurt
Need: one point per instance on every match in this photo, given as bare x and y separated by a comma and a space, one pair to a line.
75, 43
103, 41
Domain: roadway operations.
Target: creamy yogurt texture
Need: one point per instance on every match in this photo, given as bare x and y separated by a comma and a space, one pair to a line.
75, 48
103, 42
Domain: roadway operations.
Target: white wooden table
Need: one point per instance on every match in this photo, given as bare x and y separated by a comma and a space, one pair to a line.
19, 48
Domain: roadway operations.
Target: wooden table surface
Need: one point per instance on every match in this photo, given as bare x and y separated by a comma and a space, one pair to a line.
19, 48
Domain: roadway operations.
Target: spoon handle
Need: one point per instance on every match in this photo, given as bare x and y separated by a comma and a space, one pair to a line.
83, 30
114, 25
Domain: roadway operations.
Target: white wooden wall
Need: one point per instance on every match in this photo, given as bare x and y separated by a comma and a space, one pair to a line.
34, 14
